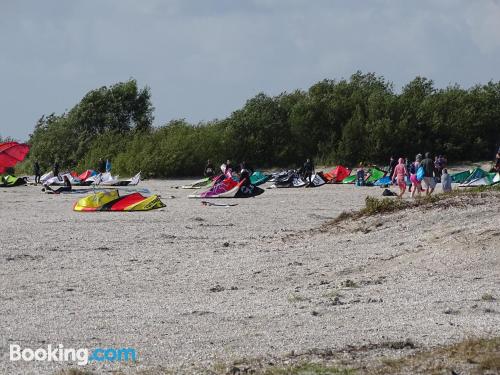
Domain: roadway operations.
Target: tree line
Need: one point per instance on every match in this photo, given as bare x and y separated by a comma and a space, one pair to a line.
347, 121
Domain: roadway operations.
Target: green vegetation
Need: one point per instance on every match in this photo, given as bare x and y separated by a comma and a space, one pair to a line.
471, 356
345, 121
375, 206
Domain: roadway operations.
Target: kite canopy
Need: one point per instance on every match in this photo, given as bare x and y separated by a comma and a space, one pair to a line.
9, 181
317, 180
337, 174
258, 178
229, 188
460, 176
12, 153
112, 201
479, 177
204, 182
88, 173
287, 179
375, 174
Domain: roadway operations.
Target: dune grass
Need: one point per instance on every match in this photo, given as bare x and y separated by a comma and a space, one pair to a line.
376, 206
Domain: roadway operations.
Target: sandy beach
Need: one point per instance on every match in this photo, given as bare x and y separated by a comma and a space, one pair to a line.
189, 286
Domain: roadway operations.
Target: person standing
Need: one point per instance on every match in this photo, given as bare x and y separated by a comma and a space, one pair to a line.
308, 170
429, 172
37, 172
55, 169
446, 181
392, 164
438, 167
108, 165
209, 169
360, 176
245, 174
101, 166
496, 167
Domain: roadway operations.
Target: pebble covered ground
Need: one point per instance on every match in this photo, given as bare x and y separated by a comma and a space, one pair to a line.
194, 285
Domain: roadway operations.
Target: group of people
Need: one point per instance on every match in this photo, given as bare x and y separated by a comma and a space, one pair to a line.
102, 167
420, 175
243, 170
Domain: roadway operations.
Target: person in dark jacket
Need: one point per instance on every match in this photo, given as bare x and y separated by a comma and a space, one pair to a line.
209, 169
101, 166
245, 174
496, 167
55, 169
429, 173
37, 172
392, 164
308, 170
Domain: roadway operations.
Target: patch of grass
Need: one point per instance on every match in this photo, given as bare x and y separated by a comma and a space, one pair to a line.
332, 294
376, 206
477, 356
349, 284
487, 297
74, 371
295, 297
309, 369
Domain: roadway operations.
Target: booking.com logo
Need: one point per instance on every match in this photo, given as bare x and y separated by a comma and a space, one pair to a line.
81, 356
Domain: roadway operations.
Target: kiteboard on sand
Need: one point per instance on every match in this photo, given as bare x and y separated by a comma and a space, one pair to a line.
206, 203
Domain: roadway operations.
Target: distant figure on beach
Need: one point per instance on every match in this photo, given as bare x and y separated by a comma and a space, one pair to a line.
392, 164
209, 169
439, 165
308, 170
413, 176
429, 170
399, 175
108, 166
245, 173
496, 167
360, 176
446, 181
408, 181
101, 166
55, 169
228, 168
37, 172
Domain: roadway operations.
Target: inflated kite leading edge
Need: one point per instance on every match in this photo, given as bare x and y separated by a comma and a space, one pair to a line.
112, 201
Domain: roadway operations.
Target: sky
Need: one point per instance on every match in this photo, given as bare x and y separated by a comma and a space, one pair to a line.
203, 59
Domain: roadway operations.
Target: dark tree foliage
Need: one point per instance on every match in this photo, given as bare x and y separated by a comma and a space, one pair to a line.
110, 112
349, 121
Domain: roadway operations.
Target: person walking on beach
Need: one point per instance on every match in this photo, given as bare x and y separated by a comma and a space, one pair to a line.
417, 186
37, 172
429, 171
399, 175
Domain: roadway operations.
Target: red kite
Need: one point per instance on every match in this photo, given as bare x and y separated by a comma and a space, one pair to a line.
12, 153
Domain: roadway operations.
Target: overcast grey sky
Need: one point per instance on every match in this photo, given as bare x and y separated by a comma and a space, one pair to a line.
205, 58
